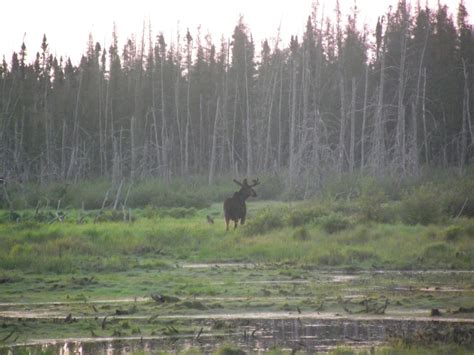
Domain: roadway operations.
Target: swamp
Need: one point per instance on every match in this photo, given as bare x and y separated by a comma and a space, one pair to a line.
237, 177
324, 275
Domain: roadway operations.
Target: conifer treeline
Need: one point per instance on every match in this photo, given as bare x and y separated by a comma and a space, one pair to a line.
385, 101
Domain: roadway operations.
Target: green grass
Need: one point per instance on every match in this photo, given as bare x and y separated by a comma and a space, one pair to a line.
375, 226
320, 233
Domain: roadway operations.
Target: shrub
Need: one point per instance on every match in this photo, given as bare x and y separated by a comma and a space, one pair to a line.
150, 212
265, 221
452, 233
333, 258
304, 215
228, 349
462, 227
361, 234
114, 216
178, 212
459, 198
361, 255
334, 223
172, 198
144, 194
270, 188
421, 206
371, 204
90, 194
301, 233
439, 252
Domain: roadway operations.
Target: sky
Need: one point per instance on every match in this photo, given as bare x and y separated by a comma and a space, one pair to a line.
68, 23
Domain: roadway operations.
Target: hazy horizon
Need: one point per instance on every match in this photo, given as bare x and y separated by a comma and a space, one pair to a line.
67, 34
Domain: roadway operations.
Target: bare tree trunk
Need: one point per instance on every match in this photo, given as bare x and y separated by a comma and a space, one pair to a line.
248, 120
117, 196
234, 122
133, 150
466, 120
292, 155
186, 130
48, 129
268, 140
155, 120
400, 135
178, 124
75, 149
63, 152
116, 176
467, 98
378, 148
421, 73
105, 152
214, 145
164, 145
342, 129
414, 160
352, 138
201, 136
364, 120
280, 124
423, 116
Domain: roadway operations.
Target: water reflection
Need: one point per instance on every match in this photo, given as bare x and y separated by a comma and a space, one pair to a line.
259, 335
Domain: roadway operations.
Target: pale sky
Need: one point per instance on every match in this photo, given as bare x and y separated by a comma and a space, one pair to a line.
67, 23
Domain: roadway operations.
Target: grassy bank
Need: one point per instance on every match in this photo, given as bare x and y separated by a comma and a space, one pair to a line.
360, 223
302, 233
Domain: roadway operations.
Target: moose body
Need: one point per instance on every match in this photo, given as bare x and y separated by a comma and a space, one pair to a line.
234, 207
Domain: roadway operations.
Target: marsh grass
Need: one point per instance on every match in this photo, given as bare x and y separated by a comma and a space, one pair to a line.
333, 240
371, 225
404, 349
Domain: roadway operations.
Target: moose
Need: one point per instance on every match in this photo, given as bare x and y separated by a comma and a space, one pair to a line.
234, 207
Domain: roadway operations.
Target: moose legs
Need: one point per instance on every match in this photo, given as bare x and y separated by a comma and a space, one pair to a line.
236, 222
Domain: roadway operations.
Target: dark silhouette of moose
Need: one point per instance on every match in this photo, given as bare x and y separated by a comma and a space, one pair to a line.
234, 207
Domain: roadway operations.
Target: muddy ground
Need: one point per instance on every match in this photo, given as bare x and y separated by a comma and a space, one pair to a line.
256, 307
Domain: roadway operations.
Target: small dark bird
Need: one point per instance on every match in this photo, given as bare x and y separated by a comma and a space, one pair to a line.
298, 309
210, 220
157, 298
121, 312
68, 319
435, 312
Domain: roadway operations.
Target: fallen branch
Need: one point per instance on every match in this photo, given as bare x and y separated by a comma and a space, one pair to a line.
101, 211
8, 336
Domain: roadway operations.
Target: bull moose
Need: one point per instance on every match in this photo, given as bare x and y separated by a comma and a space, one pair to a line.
234, 207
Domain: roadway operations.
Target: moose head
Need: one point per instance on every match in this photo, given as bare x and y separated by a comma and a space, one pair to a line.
234, 207
247, 190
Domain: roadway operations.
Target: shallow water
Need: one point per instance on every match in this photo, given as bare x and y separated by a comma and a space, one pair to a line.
256, 307
258, 334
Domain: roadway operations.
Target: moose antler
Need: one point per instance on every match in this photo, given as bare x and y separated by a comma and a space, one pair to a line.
245, 183
255, 182
239, 183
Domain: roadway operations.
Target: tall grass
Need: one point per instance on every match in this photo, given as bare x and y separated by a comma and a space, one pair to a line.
415, 226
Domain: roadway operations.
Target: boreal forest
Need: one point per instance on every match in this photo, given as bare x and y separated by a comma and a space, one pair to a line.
186, 194
387, 99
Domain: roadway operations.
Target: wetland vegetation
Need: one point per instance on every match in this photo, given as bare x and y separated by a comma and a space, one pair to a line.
357, 139
367, 264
